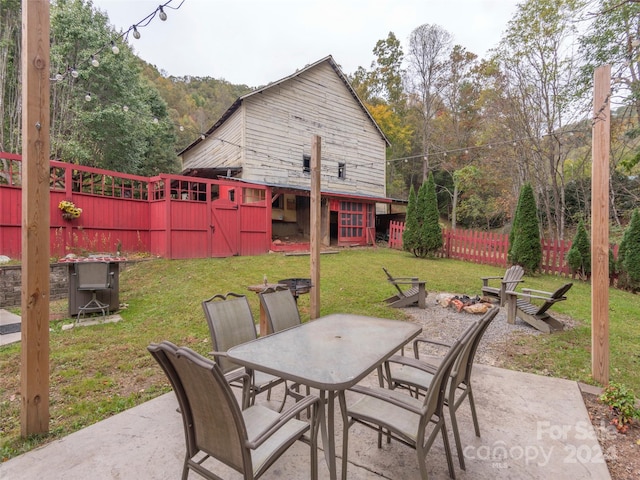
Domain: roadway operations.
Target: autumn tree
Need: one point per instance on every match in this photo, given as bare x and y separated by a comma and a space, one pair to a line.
540, 73
429, 47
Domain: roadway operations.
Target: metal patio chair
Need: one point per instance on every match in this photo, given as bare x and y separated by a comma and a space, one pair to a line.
231, 323
248, 441
417, 375
93, 277
280, 308
404, 418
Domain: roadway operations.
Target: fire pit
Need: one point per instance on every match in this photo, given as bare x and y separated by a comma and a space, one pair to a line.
465, 303
297, 286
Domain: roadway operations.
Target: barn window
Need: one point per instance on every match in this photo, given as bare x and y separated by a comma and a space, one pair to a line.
306, 163
253, 195
342, 170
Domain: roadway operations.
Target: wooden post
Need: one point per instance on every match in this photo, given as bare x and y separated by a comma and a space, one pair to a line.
315, 231
600, 226
34, 367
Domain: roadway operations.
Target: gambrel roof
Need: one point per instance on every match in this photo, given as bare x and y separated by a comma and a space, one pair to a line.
328, 59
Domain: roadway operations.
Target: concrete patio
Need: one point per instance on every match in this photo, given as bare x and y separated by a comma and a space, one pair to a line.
532, 427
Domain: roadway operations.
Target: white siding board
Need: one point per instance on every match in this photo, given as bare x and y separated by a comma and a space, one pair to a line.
276, 126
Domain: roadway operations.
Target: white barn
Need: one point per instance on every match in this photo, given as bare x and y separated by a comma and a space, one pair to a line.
265, 138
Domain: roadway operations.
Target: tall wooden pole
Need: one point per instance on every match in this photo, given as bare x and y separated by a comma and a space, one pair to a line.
316, 227
600, 226
34, 367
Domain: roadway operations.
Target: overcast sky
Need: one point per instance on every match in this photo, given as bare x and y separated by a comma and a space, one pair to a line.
255, 42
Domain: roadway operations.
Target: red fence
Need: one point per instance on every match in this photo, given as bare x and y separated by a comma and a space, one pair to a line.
169, 215
491, 248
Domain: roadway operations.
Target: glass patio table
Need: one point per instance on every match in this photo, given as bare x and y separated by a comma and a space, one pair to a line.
331, 354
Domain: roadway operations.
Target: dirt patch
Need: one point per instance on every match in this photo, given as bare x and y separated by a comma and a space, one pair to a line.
621, 450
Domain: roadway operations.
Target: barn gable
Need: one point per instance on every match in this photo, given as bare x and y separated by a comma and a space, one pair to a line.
266, 135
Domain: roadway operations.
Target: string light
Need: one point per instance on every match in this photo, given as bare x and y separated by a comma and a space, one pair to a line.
87, 97
125, 109
93, 60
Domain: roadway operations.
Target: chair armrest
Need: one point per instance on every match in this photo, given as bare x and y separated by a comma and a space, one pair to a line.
485, 280
386, 396
527, 290
529, 296
283, 418
416, 354
409, 282
413, 363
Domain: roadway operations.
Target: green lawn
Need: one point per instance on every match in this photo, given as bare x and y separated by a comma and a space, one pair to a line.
98, 371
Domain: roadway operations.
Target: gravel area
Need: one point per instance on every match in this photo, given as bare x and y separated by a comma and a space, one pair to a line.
445, 324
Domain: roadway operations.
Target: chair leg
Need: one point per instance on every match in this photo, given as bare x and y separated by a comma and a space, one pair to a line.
345, 447
474, 416
447, 449
454, 426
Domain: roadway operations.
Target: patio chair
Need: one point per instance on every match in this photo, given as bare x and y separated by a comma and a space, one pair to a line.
404, 418
215, 426
416, 293
417, 375
520, 304
231, 323
93, 277
509, 281
280, 308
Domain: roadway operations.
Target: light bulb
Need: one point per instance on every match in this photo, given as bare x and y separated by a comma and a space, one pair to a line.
58, 77
162, 15
515, 144
87, 97
155, 120
94, 61
136, 33
125, 108
202, 137
181, 128
114, 48
74, 73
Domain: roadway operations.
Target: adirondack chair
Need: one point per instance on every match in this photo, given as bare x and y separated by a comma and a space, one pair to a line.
416, 293
519, 305
509, 281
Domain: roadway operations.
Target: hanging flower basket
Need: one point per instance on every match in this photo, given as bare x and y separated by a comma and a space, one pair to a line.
69, 210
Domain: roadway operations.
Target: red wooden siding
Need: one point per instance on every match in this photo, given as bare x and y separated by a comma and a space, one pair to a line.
169, 215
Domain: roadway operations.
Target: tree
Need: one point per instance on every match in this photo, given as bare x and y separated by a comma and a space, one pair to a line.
629, 255
422, 233
540, 72
429, 47
526, 249
411, 225
579, 255
430, 233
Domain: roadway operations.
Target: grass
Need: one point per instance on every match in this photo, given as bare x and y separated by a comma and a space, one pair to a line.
98, 371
